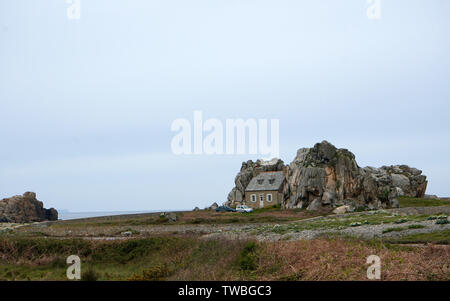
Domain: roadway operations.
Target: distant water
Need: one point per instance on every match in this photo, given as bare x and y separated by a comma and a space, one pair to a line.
65, 215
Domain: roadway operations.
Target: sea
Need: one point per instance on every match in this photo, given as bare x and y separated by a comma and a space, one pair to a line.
67, 215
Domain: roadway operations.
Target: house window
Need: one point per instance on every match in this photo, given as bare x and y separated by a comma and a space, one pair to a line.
269, 198
253, 198
260, 181
261, 197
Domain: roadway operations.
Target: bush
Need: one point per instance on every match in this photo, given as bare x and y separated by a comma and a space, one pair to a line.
416, 226
90, 275
401, 221
442, 222
248, 259
198, 221
156, 273
361, 208
434, 217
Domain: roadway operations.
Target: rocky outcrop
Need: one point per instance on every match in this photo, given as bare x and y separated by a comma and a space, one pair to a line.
213, 206
326, 176
25, 209
248, 170
431, 196
169, 216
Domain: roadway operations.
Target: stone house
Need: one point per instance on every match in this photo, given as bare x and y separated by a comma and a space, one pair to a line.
265, 189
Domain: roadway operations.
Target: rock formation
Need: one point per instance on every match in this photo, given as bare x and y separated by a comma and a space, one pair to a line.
327, 176
170, 216
249, 169
213, 206
25, 209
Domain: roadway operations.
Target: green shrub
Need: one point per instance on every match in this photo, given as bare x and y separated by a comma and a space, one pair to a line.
401, 221
416, 226
198, 221
161, 220
248, 258
90, 275
356, 224
59, 262
442, 222
361, 208
394, 229
156, 273
434, 217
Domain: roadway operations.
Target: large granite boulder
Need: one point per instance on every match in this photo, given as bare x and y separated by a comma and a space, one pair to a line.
248, 170
324, 176
25, 209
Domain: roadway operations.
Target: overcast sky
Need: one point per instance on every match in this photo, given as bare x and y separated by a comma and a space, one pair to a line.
87, 104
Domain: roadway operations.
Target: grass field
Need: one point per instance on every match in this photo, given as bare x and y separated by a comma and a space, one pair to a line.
200, 246
438, 237
191, 258
421, 202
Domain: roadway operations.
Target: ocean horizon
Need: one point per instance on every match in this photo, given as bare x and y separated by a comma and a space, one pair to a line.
68, 215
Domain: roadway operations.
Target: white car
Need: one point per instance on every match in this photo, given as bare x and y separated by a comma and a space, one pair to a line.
244, 209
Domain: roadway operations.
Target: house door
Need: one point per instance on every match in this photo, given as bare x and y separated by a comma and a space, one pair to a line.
261, 201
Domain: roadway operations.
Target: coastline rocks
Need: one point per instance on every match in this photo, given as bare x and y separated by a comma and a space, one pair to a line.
25, 209
324, 176
431, 196
170, 216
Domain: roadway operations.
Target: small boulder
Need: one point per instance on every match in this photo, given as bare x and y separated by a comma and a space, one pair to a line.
342, 209
171, 216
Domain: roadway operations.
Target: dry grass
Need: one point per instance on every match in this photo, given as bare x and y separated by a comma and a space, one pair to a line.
340, 259
212, 260
193, 258
266, 215
141, 224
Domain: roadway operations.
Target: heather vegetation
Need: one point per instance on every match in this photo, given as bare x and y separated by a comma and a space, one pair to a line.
267, 244
192, 258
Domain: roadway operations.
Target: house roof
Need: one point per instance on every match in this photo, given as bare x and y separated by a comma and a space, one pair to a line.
266, 181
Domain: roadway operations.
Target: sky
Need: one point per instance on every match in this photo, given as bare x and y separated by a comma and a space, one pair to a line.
86, 105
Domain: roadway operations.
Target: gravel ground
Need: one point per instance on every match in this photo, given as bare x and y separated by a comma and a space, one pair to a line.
364, 231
